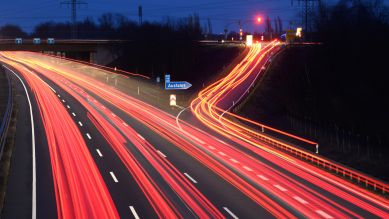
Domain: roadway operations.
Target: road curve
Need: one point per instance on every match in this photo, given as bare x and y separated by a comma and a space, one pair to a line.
113, 153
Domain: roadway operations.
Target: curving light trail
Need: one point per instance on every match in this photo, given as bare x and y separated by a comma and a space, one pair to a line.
281, 194
209, 107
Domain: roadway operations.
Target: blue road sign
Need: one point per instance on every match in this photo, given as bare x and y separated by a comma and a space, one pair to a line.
36, 41
167, 78
18, 41
176, 85
50, 41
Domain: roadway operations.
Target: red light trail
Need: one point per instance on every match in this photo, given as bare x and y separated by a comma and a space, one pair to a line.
208, 108
241, 169
80, 190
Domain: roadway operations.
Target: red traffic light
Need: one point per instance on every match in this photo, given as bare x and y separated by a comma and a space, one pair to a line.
259, 19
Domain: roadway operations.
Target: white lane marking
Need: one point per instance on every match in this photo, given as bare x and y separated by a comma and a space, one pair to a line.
63, 101
233, 160
140, 136
114, 177
88, 135
221, 116
211, 147
125, 124
136, 216
99, 152
53, 90
221, 153
33, 214
59, 95
230, 213
189, 177
323, 214
68, 106
162, 154
80, 123
113, 114
280, 188
196, 139
263, 177
302, 201
248, 168
74, 114
178, 116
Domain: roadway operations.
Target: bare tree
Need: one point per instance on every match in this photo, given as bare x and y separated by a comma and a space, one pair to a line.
11, 31
280, 28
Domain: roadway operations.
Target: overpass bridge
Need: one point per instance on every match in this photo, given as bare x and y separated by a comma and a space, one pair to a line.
95, 51
100, 51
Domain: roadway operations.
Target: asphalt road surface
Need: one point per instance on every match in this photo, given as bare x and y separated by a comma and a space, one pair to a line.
102, 150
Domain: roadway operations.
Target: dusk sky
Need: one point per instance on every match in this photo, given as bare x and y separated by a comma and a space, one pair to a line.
221, 12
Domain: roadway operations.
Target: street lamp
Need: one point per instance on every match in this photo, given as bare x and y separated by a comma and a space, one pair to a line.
259, 20
240, 23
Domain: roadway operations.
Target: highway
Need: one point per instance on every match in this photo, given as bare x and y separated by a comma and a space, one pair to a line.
186, 164
102, 153
212, 106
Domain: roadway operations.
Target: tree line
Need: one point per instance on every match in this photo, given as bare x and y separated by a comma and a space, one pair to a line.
113, 26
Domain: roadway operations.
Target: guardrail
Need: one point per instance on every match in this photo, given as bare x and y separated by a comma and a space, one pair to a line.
326, 164
5, 121
106, 68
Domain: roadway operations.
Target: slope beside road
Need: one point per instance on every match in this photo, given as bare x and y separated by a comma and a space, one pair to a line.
307, 95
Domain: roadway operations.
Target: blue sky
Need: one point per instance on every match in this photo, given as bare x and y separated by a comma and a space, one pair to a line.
221, 12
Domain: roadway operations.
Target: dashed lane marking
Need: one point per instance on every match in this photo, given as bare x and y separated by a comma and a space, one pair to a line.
136, 216
114, 177
189, 177
230, 213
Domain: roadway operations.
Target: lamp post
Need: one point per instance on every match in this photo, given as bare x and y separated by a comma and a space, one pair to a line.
240, 23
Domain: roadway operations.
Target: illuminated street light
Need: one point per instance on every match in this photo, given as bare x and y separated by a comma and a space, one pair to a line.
240, 24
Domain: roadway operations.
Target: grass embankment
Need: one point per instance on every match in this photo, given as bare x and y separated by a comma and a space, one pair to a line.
185, 61
309, 93
197, 63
